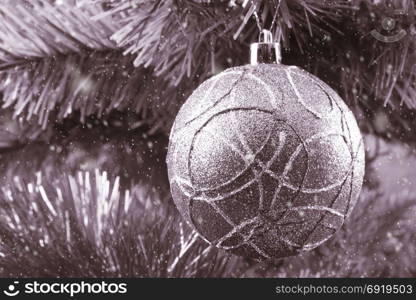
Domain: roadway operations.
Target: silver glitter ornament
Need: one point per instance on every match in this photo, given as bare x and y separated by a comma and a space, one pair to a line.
265, 160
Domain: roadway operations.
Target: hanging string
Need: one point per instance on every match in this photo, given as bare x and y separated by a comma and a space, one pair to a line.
266, 50
254, 11
256, 16
258, 20
276, 12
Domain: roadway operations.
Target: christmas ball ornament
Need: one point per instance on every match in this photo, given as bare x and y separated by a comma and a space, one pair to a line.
265, 160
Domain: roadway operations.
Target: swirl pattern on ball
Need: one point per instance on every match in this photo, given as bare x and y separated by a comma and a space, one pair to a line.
265, 161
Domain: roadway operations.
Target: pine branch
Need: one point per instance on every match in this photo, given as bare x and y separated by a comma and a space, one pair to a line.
179, 39
375, 78
58, 61
182, 39
380, 69
307, 28
53, 67
297, 19
377, 241
43, 46
39, 28
94, 83
86, 226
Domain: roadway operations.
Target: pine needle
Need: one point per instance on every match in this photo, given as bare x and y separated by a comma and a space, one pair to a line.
87, 226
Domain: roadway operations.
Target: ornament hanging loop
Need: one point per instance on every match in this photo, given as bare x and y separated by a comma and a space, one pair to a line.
266, 51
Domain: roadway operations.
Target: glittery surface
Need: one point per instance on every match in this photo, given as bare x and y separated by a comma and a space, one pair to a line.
265, 161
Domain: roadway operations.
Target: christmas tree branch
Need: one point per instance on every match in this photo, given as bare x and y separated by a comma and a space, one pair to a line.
376, 241
43, 44
37, 29
87, 226
361, 68
95, 83
56, 60
177, 38
59, 59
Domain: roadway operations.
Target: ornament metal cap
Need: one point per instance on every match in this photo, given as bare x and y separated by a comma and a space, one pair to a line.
265, 51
